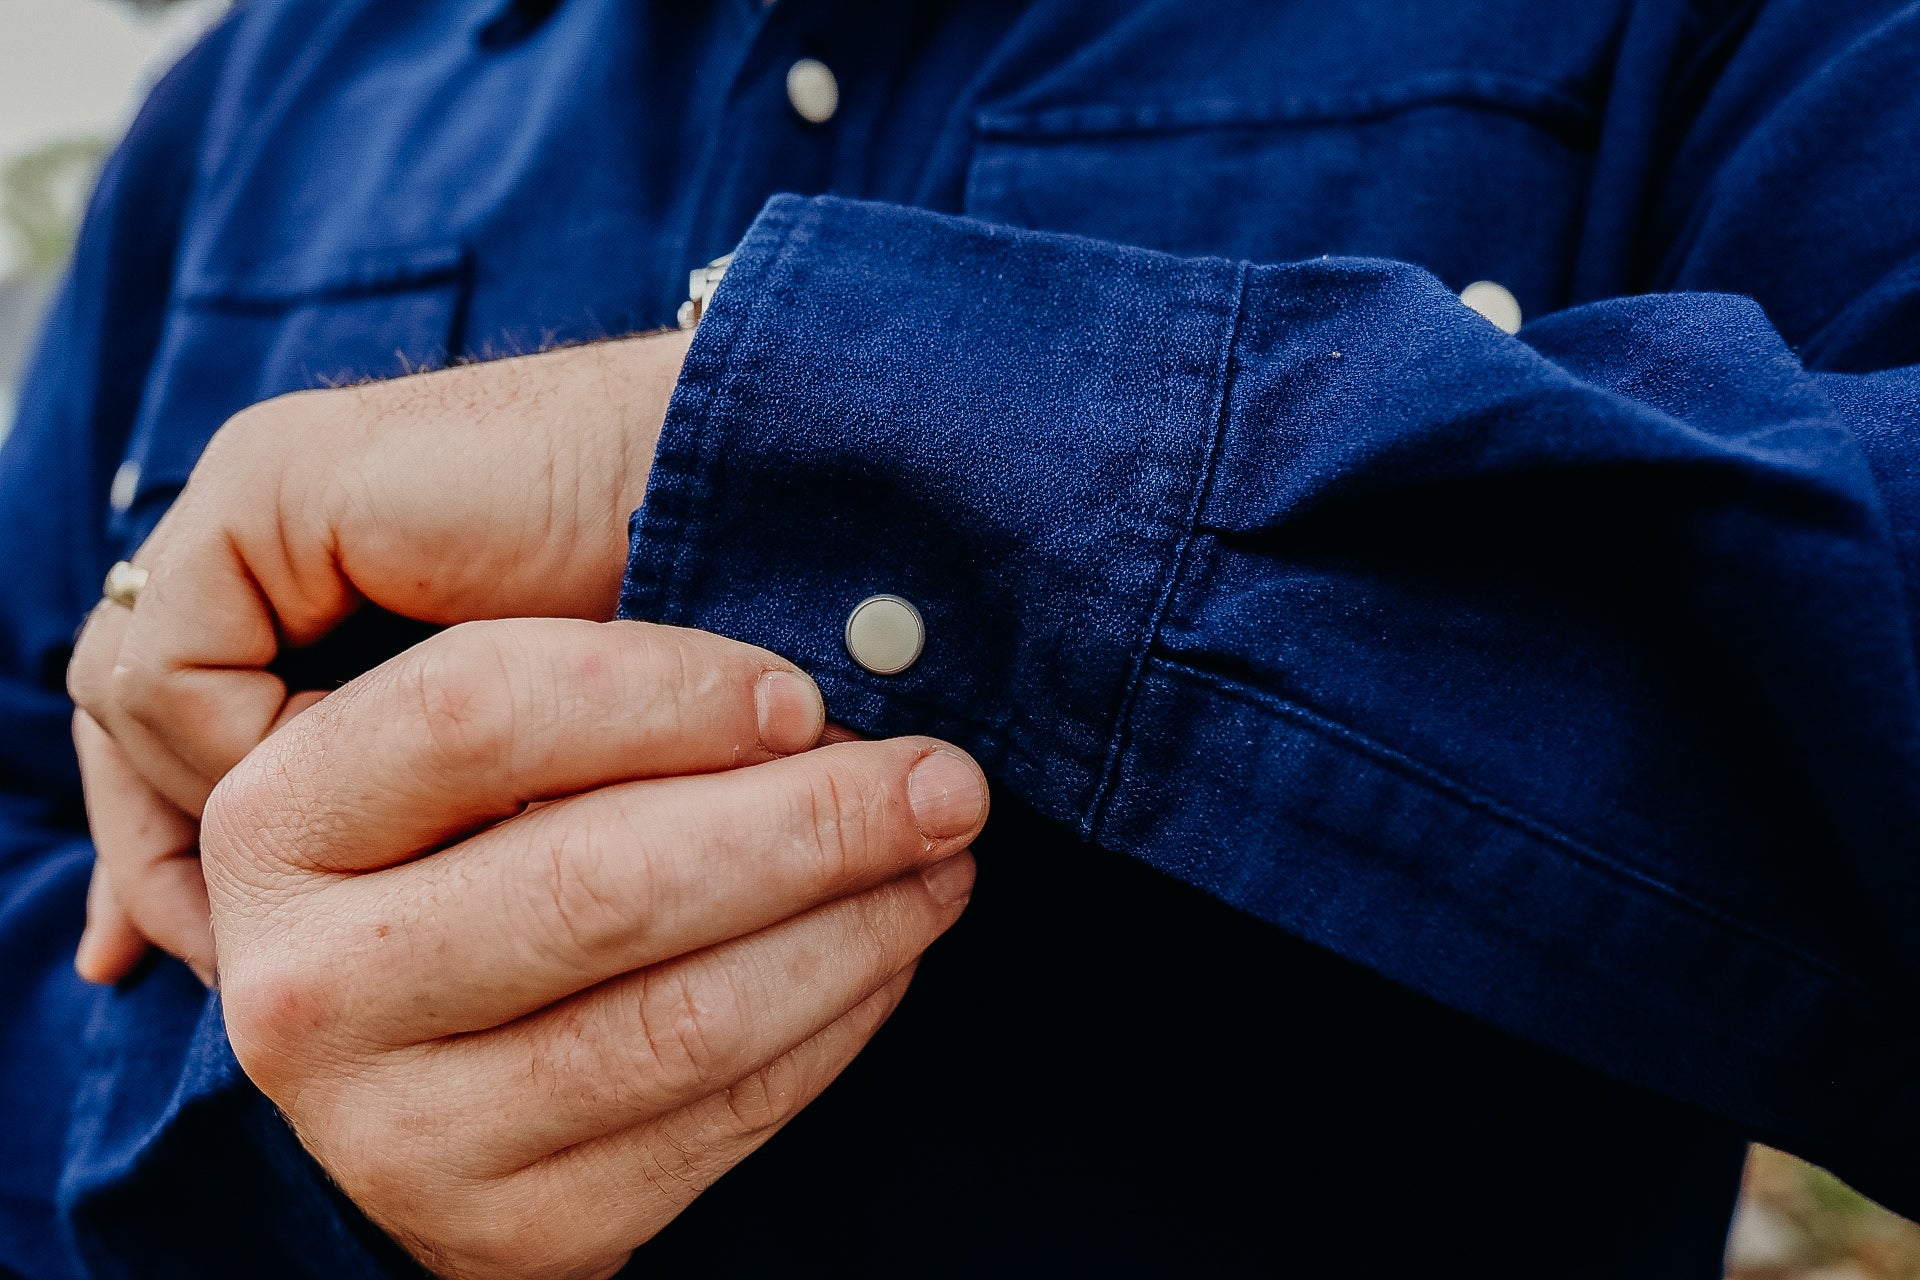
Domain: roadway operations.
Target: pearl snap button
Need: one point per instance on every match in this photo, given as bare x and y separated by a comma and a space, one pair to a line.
126, 483
885, 634
813, 90
1495, 303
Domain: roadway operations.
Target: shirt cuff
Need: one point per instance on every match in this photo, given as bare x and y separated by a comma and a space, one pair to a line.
1158, 517
821, 449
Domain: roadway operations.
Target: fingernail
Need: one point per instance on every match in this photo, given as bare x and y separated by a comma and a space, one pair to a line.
950, 881
791, 712
947, 795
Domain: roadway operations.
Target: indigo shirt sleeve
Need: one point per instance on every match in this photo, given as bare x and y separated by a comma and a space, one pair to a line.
131, 1145
1567, 678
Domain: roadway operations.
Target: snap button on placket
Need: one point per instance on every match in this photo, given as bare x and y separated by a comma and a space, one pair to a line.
813, 90
126, 483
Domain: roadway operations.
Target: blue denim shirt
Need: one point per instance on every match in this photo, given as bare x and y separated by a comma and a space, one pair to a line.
1451, 785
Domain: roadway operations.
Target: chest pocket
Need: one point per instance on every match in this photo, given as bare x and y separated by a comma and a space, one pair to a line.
231, 341
1473, 176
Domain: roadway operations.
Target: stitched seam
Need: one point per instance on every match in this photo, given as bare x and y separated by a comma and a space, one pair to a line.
1543, 103
1433, 780
372, 274
1118, 736
713, 407
682, 520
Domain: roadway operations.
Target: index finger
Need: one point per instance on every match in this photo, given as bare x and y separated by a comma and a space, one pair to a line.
626, 876
188, 688
472, 725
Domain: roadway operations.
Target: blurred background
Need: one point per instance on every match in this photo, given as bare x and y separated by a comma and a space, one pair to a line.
1796, 1222
72, 73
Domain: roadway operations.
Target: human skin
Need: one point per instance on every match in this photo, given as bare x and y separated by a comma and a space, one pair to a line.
536, 930
487, 491
597, 883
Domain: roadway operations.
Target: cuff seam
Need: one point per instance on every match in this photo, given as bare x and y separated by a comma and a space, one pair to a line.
1120, 734
666, 524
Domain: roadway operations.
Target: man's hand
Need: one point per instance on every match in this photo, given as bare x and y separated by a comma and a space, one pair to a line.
488, 491
523, 986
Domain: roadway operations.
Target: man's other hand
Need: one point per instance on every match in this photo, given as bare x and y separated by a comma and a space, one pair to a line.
539, 928
487, 491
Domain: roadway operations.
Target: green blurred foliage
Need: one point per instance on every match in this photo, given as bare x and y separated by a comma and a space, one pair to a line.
42, 194
1799, 1222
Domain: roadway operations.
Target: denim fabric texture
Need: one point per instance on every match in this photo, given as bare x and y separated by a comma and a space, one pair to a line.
1452, 787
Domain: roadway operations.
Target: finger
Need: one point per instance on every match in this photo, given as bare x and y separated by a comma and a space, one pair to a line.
94, 652
95, 682
206, 714
304, 507
110, 946
112, 678
635, 1181
154, 756
601, 884
295, 704
589, 1206
148, 850
167, 900
651, 1042
190, 672
473, 724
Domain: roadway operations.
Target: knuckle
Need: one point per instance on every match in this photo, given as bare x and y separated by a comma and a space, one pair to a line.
263, 835
277, 1008
662, 669
684, 1153
882, 930
245, 807
145, 696
411, 1171
280, 994
582, 915
842, 821
367, 1140
691, 663
225, 820
686, 1041
761, 1103
229, 453
889, 927
466, 684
